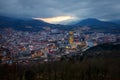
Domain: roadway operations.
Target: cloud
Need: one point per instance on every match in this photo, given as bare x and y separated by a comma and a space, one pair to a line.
55, 19
102, 9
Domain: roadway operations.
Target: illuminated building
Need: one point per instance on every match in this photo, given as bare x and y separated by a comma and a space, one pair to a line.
71, 39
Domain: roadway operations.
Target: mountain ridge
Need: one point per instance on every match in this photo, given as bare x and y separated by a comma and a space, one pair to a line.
96, 23
36, 25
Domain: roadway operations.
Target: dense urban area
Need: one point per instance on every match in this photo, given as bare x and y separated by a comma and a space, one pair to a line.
24, 47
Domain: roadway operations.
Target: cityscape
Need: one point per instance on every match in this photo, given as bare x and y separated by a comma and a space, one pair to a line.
59, 40
49, 42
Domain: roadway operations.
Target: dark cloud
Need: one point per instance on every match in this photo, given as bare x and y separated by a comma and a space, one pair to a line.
102, 9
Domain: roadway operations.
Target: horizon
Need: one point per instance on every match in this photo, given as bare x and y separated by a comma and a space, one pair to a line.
62, 20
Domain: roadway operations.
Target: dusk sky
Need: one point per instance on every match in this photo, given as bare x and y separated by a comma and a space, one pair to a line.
61, 9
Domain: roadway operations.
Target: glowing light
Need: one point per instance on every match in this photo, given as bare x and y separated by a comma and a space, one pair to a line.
55, 19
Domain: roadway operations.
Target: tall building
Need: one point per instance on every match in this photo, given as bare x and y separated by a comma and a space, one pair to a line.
71, 37
71, 40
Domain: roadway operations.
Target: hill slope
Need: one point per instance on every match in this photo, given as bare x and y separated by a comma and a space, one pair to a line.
36, 25
97, 24
104, 50
19, 24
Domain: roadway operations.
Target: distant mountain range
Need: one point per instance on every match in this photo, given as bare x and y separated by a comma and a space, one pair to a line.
97, 24
20, 24
36, 25
116, 21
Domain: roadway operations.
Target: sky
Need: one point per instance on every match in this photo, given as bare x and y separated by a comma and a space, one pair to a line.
70, 10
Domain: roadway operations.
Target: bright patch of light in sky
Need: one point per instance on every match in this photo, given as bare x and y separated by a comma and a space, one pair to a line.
57, 19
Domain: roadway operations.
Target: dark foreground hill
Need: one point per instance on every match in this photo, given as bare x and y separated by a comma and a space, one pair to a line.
107, 48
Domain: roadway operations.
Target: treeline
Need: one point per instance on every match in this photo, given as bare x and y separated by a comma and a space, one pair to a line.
96, 68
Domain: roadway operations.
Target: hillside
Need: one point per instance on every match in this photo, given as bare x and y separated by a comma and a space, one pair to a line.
98, 25
29, 24
116, 21
36, 25
108, 50
20, 24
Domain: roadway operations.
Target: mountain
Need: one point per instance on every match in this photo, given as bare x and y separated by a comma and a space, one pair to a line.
29, 24
97, 24
36, 25
22, 24
116, 21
